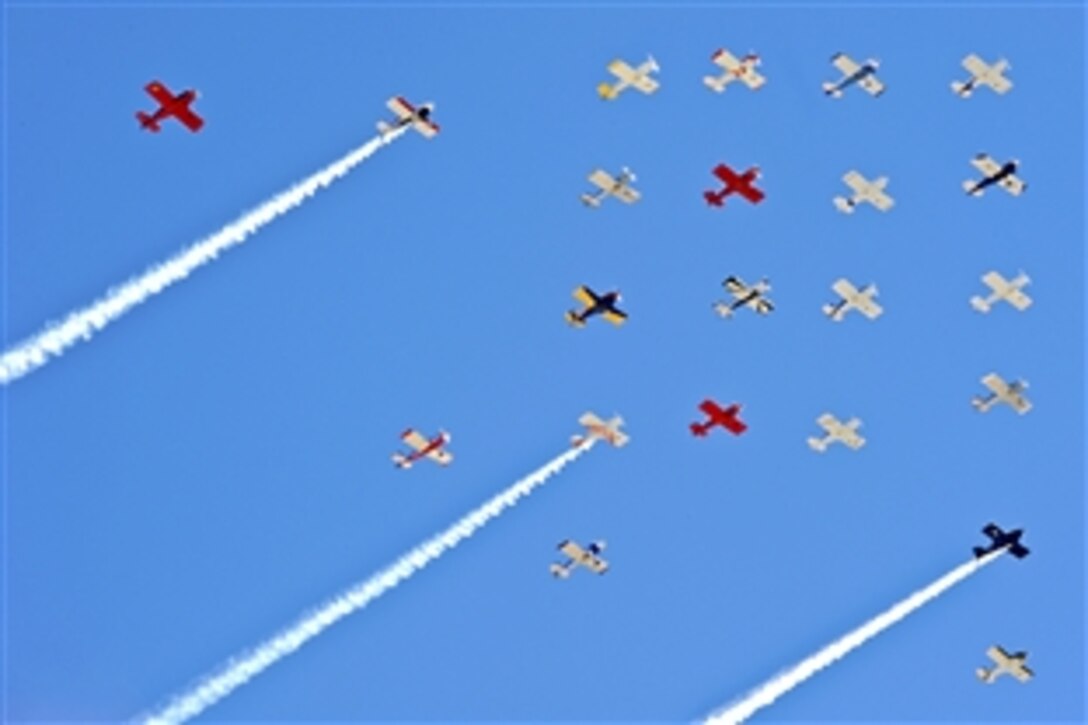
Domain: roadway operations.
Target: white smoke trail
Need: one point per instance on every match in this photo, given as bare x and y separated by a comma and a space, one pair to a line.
245, 667
32, 353
770, 691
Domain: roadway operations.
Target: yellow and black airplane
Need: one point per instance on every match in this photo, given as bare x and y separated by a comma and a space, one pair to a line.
594, 304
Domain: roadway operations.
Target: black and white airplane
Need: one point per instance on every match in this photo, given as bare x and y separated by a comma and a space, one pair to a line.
999, 539
1004, 175
754, 296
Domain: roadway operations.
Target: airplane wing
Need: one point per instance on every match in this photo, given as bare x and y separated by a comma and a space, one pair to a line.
602, 180
441, 456
762, 305
572, 550
829, 423
595, 564
1021, 672
725, 174
992, 530
996, 282
753, 79
586, 296
428, 129
868, 307
994, 382
1013, 184
856, 182
998, 655
975, 65
589, 420
626, 194
402, 108
414, 439
998, 82
735, 286
986, 164
845, 64
616, 317
1018, 299
726, 60
872, 85
711, 408
191, 121
646, 84
845, 290
158, 91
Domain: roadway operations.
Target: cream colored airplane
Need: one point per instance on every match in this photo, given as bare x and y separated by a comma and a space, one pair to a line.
983, 75
577, 556
608, 431
1002, 392
853, 299
630, 78
864, 190
835, 430
1002, 289
734, 70
1005, 664
619, 187
863, 75
993, 173
754, 296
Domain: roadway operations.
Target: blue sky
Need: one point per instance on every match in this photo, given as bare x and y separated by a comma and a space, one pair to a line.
216, 462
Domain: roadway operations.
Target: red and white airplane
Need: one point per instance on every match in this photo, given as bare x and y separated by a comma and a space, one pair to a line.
433, 449
727, 418
178, 106
742, 184
419, 118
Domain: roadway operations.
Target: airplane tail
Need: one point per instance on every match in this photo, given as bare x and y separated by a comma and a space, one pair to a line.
591, 201
401, 461
606, 91
384, 127
963, 90
147, 122
573, 319
979, 552
559, 571
576, 441
846, 206
714, 199
973, 188
715, 84
831, 311
817, 444
699, 429
984, 675
833, 90
723, 309
980, 304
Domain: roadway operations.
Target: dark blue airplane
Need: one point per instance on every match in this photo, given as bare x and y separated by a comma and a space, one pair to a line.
594, 304
1000, 539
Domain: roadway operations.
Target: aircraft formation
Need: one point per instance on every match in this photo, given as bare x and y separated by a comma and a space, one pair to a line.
746, 186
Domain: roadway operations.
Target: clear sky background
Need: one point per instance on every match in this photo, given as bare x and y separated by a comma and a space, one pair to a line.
217, 462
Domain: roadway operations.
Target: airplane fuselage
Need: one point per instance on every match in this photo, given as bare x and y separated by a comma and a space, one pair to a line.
1007, 170
867, 69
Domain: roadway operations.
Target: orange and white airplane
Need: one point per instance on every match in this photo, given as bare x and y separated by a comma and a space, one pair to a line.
608, 431
433, 449
419, 118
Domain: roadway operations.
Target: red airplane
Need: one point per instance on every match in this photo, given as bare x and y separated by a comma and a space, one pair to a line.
170, 105
727, 418
734, 184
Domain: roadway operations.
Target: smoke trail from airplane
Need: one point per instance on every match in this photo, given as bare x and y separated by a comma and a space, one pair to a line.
245, 667
779, 685
36, 351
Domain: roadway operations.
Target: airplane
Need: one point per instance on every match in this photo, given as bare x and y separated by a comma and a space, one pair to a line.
1002, 392
434, 449
835, 430
853, 299
727, 418
864, 190
1002, 289
863, 75
734, 70
753, 296
577, 556
734, 184
1004, 175
983, 75
419, 118
607, 431
179, 106
1000, 539
620, 187
1005, 664
594, 304
630, 78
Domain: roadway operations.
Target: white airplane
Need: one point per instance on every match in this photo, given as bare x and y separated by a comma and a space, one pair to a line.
754, 296
835, 430
864, 75
577, 556
419, 118
1002, 392
630, 78
608, 431
1002, 289
734, 70
864, 190
853, 299
983, 75
433, 449
1005, 664
619, 187
1004, 175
